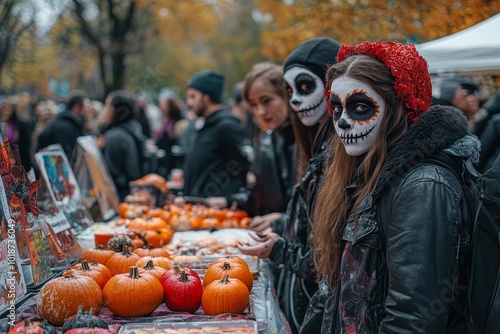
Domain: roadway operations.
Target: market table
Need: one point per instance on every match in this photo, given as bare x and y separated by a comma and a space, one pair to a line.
263, 308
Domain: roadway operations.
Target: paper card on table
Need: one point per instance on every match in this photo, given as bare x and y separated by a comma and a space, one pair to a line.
63, 188
94, 178
59, 230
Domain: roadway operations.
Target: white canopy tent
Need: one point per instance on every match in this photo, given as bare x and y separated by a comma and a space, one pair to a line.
473, 51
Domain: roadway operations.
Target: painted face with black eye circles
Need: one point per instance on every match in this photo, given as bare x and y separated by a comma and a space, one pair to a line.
305, 90
357, 112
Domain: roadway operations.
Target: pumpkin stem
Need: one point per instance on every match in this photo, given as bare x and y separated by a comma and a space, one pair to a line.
149, 265
100, 247
226, 266
151, 246
91, 311
85, 265
177, 270
126, 251
94, 263
134, 272
184, 277
225, 280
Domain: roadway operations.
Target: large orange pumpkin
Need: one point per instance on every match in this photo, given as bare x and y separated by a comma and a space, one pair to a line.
60, 297
228, 295
217, 271
133, 295
120, 263
99, 254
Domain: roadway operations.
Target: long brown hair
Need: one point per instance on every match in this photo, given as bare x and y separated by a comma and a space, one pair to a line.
332, 209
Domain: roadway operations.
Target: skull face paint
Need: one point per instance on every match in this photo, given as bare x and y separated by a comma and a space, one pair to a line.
306, 94
357, 112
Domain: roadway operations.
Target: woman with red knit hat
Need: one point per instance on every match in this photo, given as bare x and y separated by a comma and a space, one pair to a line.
390, 218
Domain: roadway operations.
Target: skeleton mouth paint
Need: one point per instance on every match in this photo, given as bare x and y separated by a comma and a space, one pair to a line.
305, 89
357, 111
352, 138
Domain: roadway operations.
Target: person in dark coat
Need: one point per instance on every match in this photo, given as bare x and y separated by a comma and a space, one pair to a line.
273, 167
17, 130
123, 140
67, 126
487, 129
288, 247
221, 155
388, 220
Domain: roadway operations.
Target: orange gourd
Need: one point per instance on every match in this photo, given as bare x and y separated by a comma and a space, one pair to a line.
158, 261
218, 270
94, 270
120, 263
151, 269
133, 295
61, 297
99, 254
152, 251
158, 237
228, 295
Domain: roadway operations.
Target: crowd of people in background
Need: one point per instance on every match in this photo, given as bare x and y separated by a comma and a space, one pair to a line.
306, 167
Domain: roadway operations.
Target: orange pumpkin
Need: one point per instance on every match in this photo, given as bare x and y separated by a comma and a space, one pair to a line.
133, 295
152, 251
227, 295
154, 212
245, 222
99, 254
151, 269
144, 224
97, 272
180, 222
158, 261
217, 271
158, 237
232, 260
120, 263
209, 223
60, 297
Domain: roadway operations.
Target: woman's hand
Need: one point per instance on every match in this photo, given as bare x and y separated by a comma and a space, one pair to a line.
264, 246
262, 223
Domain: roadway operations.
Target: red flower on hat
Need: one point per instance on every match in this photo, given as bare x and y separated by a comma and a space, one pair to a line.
412, 81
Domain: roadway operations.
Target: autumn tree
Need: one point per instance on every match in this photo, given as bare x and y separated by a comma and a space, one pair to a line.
353, 21
13, 23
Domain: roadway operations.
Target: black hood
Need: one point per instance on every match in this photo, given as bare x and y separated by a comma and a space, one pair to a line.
436, 130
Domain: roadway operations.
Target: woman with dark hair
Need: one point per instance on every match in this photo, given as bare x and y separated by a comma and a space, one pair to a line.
389, 219
123, 147
288, 245
17, 130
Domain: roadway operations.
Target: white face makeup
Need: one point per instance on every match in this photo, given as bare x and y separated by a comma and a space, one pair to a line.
357, 111
306, 94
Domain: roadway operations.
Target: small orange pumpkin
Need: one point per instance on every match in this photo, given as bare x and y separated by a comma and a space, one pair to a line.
217, 271
133, 295
99, 254
151, 269
158, 237
231, 260
61, 297
158, 261
228, 295
120, 263
245, 222
97, 272
152, 251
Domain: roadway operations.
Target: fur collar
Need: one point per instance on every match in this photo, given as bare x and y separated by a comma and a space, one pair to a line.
442, 127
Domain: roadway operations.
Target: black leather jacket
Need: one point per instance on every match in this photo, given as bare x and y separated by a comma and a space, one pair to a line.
399, 268
296, 283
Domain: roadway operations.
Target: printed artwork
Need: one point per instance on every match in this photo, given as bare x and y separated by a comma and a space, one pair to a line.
63, 188
94, 178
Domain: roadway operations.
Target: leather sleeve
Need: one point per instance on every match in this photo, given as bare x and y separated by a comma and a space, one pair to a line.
294, 257
421, 240
489, 140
